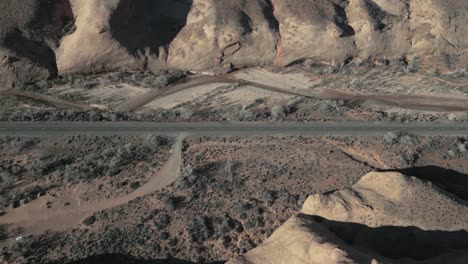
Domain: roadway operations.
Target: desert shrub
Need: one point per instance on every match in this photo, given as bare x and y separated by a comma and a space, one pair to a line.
462, 147
6, 179
292, 104
173, 202
163, 220
89, 220
103, 216
200, 230
3, 234
48, 164
3, 201
412, 66
391, 138
267, 195
245, 113
278, 112
22, 144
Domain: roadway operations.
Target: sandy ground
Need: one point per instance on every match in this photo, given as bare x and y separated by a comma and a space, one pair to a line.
104, 95
133, 104
177, 98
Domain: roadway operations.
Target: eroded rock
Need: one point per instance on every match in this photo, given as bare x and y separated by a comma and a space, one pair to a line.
384, 218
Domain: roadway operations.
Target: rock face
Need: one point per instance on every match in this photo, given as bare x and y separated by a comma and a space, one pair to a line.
384, 218
29, 31
218, 32
121, 35
313, 29
46, 37
439, 30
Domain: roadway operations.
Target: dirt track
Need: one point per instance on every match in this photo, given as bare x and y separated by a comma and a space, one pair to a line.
142, 100
34, 218
416, 102
46, 99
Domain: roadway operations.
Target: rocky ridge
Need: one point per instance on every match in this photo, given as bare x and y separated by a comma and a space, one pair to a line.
40, 39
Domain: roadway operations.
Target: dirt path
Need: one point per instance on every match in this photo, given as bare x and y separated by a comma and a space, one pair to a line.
142, 100
46, 99
415, 102
34, 218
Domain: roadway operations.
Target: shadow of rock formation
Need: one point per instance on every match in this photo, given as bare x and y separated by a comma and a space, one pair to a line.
449, 180
123, 259
36, 52
30, 31
140, 24
395, 242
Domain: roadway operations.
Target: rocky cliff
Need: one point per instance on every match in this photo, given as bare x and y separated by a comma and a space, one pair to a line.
42, 38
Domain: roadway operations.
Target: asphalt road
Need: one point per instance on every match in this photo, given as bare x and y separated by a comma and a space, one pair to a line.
224, 128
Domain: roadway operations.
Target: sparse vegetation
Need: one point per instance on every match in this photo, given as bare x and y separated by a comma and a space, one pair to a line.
216, 208
89, 220
74, 159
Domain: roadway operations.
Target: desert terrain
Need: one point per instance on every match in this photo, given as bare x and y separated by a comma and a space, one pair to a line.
233, 131
219, 196
294, 94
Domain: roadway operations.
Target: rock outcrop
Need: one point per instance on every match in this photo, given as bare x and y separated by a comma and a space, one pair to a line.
47, 37
29, 31
121, 35
241, 33
384, 218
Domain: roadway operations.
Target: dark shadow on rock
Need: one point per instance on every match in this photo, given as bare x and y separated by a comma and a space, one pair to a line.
54, 19
140, 24
341, 20
37, 52
395, 242
35, 40
449, 180
122, 259
268, 11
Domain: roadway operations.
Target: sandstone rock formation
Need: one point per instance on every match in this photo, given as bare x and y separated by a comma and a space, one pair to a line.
29, 30
42, 38
242, 33
121, 35
384, 218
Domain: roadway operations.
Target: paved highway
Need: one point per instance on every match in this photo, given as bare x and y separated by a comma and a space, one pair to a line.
224, 128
